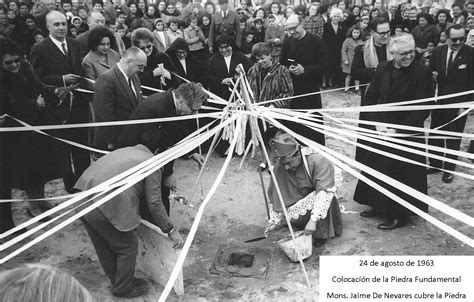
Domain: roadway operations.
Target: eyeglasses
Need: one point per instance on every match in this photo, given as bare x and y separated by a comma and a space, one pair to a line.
405, 53
383, 33
460, 39
146, 47
291, 28
11, 62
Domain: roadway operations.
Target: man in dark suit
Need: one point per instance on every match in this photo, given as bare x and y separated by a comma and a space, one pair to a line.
95, 19
453, 68
185, 100
117, 93
224, 22
57, 62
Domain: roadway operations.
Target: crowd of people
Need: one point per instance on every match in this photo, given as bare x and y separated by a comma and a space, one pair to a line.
123, 55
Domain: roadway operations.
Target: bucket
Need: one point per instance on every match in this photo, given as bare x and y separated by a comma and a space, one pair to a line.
304, 243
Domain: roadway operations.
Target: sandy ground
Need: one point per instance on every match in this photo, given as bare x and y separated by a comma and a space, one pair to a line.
237, 213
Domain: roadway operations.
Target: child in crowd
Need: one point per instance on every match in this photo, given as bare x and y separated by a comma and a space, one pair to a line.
121, 33
442, 38
195, 39
347, 55
161, 37
274, 35
206, 27
173, 31
258, 31
398, 30
429, 51
122, 20
39, 36
72, 32
247, 43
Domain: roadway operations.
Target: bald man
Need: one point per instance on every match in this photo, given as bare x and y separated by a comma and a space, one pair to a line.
117, 93
57, 62
95, 19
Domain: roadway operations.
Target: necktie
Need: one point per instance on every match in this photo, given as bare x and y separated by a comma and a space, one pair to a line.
131, 87
66, 53
225, 15
450, 61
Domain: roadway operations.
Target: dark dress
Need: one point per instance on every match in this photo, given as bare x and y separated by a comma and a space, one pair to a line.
33, 159
334, 41
392, 85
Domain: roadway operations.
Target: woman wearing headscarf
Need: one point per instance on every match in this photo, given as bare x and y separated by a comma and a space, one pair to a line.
187, 66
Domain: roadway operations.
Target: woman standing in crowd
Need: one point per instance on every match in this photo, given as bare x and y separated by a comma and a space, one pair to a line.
443, 18
156, 73
313, 23
187, 66
275, 9
334, 35
30, 159
268, 79
101, 56
424, 33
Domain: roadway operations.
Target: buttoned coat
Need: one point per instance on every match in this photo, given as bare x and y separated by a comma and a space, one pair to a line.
229, 25
94, 65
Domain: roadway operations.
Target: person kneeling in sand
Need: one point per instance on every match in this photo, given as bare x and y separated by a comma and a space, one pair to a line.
306, 182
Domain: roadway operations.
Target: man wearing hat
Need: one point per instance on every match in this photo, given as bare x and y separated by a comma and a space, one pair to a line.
306, 182
305, 56
224, 22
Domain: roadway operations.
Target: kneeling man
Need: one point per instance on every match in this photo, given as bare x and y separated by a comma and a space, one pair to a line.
306, 181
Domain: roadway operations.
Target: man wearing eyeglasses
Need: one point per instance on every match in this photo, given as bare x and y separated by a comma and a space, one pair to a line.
305, 55
187, 99
117, 93
398, 80
453, 69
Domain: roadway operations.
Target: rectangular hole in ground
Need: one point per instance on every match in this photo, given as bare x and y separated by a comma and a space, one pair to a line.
241, 259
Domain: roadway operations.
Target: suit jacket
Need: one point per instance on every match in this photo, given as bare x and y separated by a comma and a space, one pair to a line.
158, 105
229, 25
123, 210
94, 65
459, 77
216, 71
50, 64
114, 100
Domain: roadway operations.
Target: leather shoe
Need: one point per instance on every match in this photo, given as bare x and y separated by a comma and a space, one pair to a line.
319, 242
447, 177
368, 213
134, 292
432, 170
392, 224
